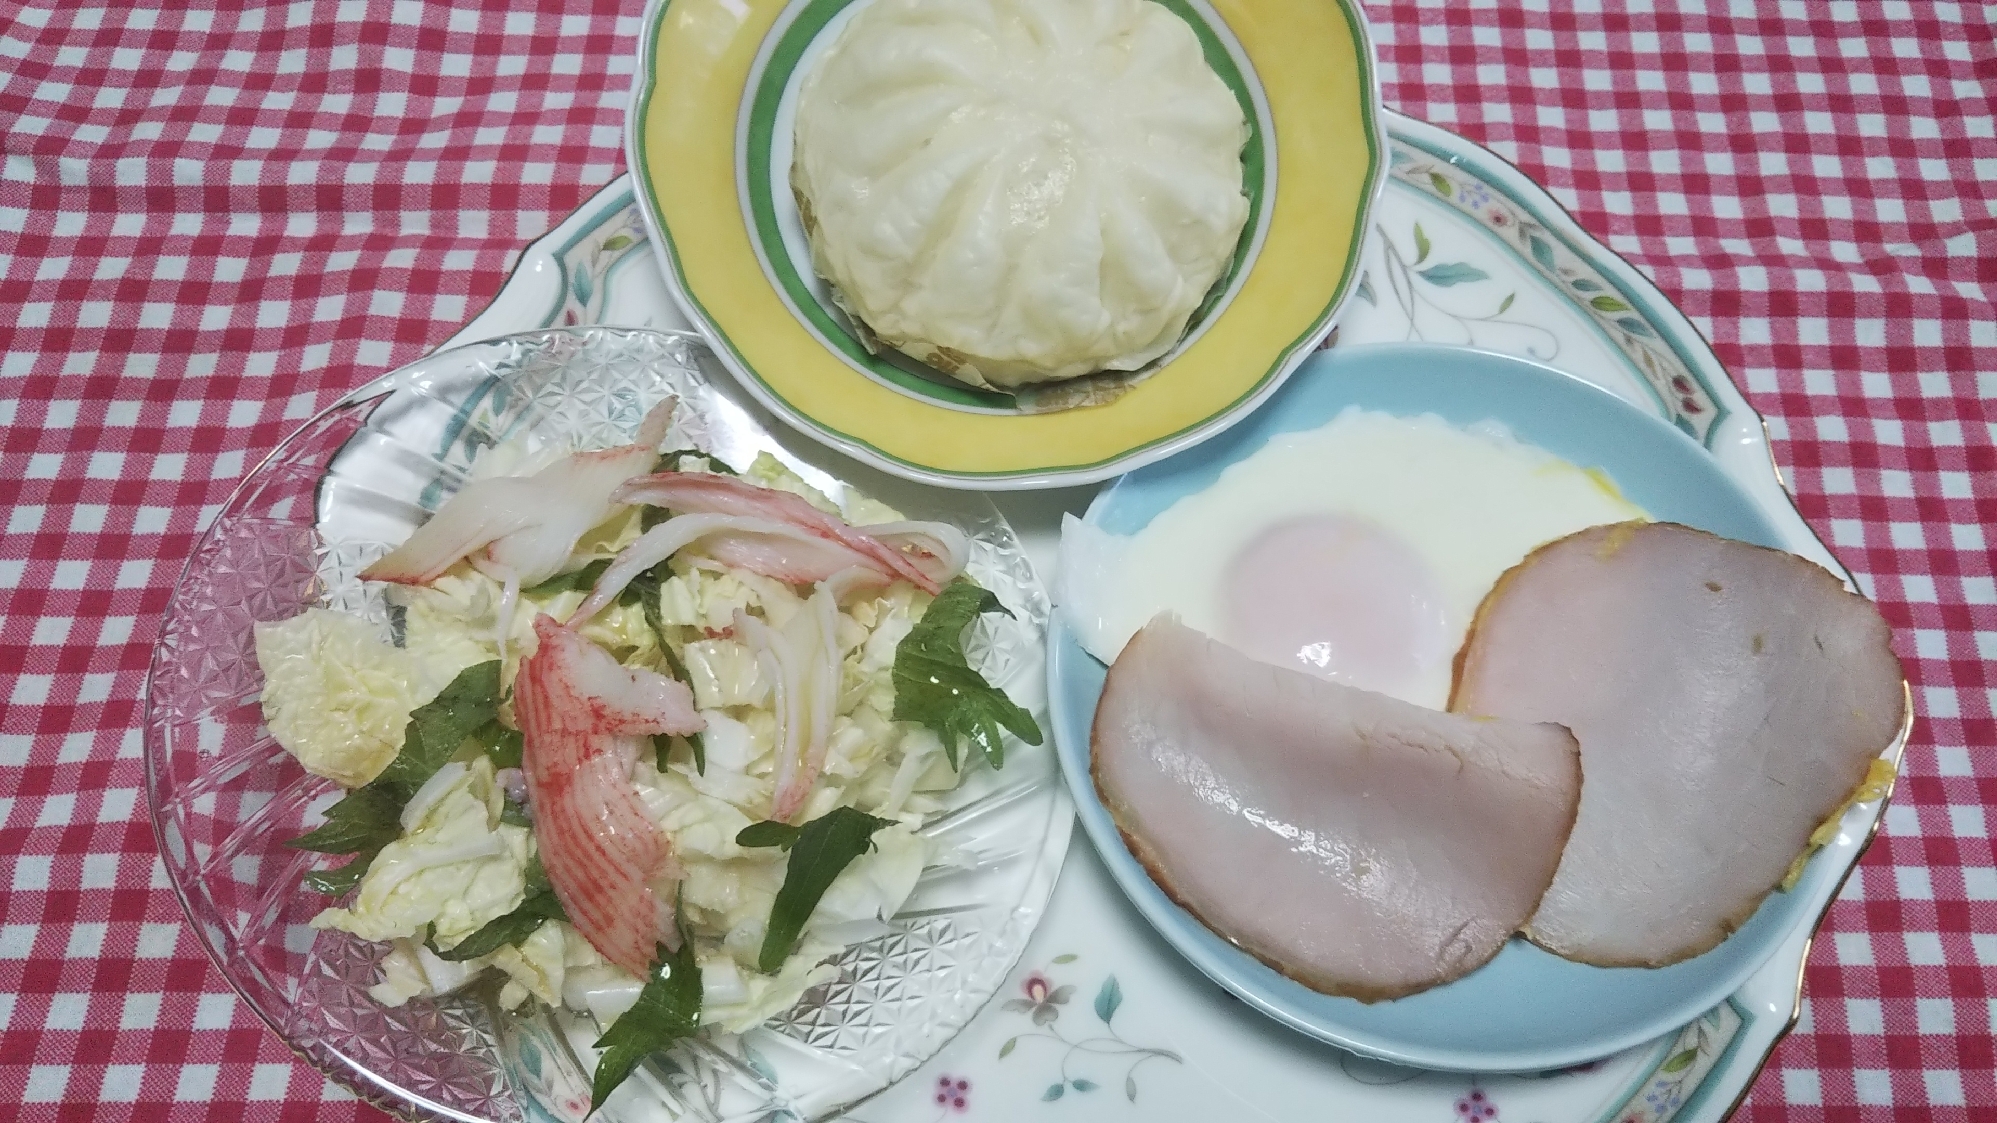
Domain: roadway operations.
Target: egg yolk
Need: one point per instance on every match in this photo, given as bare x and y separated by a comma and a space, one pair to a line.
1337, 596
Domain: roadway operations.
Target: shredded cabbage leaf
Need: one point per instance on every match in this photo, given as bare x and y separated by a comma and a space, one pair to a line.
337, 694
456, 867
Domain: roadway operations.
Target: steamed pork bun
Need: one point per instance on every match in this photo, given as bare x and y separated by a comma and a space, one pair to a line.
1016, 191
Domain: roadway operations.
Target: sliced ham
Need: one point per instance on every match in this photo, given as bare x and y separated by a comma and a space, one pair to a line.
1361, 845
1728, 698
581, 718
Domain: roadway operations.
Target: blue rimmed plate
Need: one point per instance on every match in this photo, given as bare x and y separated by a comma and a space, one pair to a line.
1527, 1009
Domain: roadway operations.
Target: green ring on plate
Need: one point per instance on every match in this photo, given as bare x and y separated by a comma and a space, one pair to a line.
777, 75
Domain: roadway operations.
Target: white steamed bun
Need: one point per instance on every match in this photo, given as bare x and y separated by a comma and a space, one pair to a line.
1016, 191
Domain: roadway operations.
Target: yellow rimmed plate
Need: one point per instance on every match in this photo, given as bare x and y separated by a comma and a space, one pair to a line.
710, 145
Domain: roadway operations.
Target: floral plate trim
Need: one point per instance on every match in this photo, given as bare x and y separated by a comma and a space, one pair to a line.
1042, 1004
1672, 1084
1622, 317
1411, 277
586, 260
1677, 1083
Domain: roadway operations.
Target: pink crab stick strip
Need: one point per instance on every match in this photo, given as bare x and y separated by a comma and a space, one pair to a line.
772, 549
712, 493
527, 526
792, 556
582, 717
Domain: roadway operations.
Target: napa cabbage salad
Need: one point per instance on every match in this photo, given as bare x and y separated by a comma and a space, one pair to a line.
803, 665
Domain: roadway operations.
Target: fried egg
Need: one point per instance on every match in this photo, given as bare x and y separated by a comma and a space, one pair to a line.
1357, 551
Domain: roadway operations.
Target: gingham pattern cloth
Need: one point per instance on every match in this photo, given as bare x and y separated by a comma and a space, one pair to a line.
214, 222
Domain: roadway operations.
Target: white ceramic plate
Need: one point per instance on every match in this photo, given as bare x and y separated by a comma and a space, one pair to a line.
1190, 1052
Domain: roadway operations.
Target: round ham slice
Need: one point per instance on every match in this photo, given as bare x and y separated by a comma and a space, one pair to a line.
1359, 844
1727, 697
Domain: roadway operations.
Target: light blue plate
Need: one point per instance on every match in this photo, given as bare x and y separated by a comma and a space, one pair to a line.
1526, 1009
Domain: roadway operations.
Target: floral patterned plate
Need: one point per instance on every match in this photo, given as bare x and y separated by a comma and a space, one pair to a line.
1102, 1021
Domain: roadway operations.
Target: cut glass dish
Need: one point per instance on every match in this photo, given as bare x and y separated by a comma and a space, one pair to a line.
225, 796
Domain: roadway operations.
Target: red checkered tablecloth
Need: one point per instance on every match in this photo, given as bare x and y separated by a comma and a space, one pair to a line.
216, 219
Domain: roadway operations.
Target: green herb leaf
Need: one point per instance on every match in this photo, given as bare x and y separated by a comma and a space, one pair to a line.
437, 729
513, 815
536, 877
514, 928
644, 590
340, 882
509, 930
823, 848
769, 832
370, 817
695, 741
503, 746
582, 580
935, 685
667, 1010
364, 821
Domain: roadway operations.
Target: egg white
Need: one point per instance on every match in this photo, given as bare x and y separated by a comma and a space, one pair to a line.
1469, 503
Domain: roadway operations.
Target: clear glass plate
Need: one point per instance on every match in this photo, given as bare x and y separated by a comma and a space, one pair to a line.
224, 796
